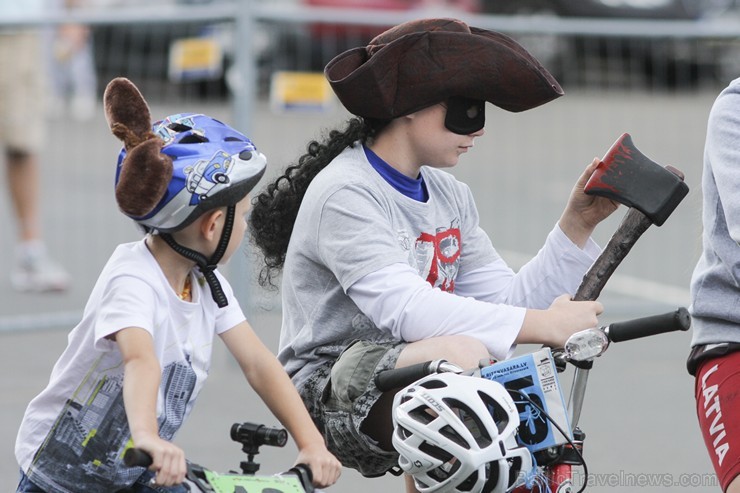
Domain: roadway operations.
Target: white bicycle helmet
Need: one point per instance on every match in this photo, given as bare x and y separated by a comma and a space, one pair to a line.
457, 433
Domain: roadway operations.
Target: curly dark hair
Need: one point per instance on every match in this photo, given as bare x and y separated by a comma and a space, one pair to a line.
275, 209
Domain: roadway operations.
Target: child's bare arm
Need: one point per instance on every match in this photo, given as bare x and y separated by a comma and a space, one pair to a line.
268, 378
142, 374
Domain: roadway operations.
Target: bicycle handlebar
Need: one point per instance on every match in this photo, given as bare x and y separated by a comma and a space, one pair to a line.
678, 320
136, 457
397, 378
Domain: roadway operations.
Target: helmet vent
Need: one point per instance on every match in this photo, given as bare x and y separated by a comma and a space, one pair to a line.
499, 414
515, 467
232, 139
469, 482
423, 414
471, 421
493, 473
433, 384
178, 127
438, 453
450, 433
403, 433
193, 139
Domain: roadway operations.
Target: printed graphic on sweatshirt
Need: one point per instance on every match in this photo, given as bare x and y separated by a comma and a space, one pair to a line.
437, 256
83, 451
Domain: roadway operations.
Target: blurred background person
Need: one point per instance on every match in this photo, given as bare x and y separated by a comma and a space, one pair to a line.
715, 346
71, 67
22, 132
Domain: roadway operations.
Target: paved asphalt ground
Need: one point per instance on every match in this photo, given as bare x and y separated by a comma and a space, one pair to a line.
638, 416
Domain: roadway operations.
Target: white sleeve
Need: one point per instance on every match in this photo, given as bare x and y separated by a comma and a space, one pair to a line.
127, 301
557, 269
397, 300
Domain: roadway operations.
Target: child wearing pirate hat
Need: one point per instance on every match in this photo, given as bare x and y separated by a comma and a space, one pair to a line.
135, 364
383, 261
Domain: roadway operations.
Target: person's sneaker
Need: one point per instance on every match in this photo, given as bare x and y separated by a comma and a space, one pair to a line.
36, 272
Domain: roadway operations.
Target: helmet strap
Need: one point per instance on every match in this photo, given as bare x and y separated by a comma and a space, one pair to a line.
208, 266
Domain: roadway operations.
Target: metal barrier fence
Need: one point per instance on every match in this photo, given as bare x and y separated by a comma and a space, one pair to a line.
653, 79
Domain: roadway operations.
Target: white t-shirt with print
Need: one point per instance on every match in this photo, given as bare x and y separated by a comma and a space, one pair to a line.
75, 431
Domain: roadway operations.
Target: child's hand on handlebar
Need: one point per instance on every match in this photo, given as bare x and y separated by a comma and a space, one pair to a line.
553, 326
168, 460
325, 468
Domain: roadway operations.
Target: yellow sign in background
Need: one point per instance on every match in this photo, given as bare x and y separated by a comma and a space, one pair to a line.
299, 91
195, 59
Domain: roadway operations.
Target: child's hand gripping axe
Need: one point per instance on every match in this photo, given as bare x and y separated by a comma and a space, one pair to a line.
651, 191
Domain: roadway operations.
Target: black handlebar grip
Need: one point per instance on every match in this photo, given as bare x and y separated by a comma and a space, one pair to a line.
305, 476
136, 457
397, 378
649, 326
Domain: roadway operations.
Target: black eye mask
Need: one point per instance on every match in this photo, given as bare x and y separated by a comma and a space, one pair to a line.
465, 116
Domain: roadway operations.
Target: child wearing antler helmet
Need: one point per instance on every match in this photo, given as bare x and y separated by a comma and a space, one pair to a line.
135, 364
383, 261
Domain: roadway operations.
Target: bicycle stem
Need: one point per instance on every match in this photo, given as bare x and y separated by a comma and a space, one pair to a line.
577, 393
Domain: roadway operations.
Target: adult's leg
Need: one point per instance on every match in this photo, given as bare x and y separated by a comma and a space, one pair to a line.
340, 394
34, 270
22, 135
717, 385
463, 351
23, 181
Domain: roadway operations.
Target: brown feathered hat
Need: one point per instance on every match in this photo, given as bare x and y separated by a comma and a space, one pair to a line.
423, 62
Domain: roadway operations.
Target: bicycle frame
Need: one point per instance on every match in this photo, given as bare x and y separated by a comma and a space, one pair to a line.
559, 472
556, 463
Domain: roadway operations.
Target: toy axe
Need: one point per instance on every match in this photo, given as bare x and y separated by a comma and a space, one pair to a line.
651, 191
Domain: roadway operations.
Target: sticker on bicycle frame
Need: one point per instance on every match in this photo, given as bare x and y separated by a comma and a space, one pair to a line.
229, 483
535, 375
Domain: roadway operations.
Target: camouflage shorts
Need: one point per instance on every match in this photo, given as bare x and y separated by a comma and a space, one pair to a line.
339, 397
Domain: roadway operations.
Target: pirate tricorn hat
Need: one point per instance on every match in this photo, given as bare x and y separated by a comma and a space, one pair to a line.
423, 62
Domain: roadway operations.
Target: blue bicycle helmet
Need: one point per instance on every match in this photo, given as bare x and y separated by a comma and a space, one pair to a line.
213, 166
171, 172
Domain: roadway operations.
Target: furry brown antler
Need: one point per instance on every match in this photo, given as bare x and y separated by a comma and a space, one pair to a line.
145, 171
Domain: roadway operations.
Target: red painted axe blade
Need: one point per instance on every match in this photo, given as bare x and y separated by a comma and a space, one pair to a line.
627, 176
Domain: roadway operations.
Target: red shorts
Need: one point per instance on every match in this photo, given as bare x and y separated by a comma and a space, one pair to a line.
716, 388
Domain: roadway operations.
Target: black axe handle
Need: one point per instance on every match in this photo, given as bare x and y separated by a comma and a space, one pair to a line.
634, 224
628, 173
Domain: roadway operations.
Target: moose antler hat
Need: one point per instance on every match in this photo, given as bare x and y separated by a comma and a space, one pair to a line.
423, 62
170, 172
